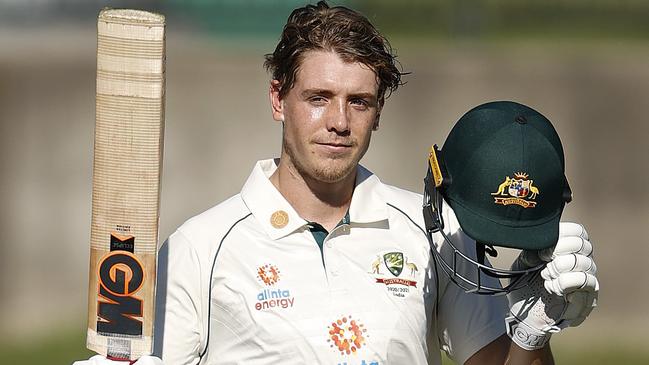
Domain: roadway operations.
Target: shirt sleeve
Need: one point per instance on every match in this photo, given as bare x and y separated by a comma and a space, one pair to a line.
178, 327
467, 322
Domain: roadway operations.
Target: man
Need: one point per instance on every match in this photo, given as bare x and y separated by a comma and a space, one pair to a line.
317, 261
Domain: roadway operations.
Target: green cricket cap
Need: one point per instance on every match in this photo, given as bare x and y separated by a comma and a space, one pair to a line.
507, 176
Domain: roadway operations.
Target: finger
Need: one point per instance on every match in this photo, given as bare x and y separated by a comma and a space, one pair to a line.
572, 229
568, 263
571, 282
567, 246
148, 360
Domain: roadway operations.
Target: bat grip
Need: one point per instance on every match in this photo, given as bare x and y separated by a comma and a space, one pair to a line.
112, 358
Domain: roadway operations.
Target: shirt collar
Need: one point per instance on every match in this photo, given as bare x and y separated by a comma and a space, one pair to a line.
278, 218
367, 204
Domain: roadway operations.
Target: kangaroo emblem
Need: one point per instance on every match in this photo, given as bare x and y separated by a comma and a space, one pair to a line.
503, 186
376, 265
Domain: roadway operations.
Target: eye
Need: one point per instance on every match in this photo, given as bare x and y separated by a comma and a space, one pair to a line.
317, 100
360, 103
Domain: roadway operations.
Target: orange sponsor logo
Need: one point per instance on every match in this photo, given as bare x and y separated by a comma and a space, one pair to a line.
347, 335
268, 274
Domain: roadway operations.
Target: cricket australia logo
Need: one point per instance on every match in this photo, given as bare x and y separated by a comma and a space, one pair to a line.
395, 271
519, 190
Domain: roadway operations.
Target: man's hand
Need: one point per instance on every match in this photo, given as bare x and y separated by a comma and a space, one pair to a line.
563, 295
100, 360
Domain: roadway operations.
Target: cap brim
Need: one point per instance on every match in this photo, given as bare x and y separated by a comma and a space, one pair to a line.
532, 237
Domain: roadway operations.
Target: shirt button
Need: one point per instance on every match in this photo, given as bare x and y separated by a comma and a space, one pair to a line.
330, 244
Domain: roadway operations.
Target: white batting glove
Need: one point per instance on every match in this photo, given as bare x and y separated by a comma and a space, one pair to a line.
563, 295
101, 360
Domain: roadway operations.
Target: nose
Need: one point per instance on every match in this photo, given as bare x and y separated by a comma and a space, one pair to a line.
338, 119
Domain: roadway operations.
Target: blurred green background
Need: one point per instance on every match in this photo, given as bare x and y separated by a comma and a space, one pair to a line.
581, 63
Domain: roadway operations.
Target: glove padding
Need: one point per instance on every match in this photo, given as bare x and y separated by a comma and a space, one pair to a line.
563, 295
101, 360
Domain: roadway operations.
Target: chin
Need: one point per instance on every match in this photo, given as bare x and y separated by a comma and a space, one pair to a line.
334, 172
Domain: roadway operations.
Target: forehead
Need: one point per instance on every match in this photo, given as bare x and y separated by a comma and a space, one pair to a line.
327, 70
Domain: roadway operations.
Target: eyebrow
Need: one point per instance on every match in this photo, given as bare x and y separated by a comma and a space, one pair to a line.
309, 92
325, 92
366, 95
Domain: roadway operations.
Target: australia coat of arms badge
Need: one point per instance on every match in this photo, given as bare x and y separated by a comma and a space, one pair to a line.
519, 190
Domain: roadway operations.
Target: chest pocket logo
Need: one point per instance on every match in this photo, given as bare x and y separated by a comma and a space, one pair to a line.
395, 271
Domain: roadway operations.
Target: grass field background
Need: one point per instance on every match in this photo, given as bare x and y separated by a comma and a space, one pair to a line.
69, 345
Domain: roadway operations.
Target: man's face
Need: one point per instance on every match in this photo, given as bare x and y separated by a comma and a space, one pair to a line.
328, 116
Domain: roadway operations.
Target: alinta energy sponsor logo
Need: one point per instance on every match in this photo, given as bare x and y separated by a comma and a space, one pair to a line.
271, 297
268, 274
395, 271
348, 336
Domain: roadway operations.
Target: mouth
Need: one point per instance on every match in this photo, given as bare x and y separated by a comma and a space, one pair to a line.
335, 144
336, 147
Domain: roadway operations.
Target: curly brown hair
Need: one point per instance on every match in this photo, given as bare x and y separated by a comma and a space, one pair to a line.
337, 29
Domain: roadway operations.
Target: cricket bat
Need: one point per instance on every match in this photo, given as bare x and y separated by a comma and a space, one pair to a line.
127, 169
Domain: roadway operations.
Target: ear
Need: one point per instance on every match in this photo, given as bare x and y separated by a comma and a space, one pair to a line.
276, 104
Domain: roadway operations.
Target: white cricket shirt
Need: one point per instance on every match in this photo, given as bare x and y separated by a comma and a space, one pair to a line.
246, 283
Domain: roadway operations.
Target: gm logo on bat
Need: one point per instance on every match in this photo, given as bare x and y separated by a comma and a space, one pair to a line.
121, 276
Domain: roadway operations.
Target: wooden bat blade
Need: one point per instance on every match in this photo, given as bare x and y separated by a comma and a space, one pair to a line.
127, 169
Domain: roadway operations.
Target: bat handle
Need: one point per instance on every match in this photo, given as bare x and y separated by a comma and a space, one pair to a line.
130, 362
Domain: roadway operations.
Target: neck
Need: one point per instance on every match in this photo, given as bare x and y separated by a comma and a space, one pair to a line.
315, 201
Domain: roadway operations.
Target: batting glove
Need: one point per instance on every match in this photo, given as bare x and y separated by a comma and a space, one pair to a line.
563, 295
100, 360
